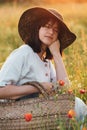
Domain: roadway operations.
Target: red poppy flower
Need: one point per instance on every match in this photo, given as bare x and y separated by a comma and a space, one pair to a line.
28, 116
61, 82
70, 91
71, 113
82, 91
84, 128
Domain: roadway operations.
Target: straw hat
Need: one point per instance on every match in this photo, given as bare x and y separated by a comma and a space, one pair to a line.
29, 18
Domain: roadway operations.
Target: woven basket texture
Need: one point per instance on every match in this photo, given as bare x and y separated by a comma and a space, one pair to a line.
45, 113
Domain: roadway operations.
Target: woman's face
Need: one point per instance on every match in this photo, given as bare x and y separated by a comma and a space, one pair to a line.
48, 33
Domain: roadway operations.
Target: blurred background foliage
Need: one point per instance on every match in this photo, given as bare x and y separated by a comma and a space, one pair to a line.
41, 1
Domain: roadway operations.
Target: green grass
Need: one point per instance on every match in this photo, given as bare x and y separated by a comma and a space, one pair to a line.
75, 56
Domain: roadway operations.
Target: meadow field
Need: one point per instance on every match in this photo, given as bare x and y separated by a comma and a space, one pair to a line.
74, 57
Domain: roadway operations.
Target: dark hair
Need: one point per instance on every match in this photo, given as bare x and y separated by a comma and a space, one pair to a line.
34, 41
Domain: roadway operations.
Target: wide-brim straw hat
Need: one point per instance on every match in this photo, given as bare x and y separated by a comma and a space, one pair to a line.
29, 18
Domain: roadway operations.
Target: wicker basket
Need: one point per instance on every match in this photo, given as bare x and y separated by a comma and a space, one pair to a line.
47, 113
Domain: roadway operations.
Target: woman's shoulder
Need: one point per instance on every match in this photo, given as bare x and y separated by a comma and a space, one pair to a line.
25, 48
22, 50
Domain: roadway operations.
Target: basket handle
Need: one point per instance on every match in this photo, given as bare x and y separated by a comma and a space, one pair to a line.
40, 87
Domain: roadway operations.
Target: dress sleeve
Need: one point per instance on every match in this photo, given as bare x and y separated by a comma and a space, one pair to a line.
11, 70
52, 72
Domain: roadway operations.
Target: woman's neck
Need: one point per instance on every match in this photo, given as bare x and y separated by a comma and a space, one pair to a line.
42, 54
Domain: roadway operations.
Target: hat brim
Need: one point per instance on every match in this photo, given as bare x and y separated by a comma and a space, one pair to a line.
66, 37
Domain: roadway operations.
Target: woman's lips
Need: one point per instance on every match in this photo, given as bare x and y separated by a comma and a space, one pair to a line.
49, 37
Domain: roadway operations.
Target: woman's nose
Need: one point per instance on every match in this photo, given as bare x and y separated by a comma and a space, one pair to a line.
51, 31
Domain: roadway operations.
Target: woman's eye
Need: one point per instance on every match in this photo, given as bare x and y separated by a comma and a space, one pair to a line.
56, 30
50, 27
47, 26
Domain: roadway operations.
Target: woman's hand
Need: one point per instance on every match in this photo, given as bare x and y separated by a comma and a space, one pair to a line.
48, 86
55, 47
61, 73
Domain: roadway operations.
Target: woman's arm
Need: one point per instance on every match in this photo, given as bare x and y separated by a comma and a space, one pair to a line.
14, 92
59, 65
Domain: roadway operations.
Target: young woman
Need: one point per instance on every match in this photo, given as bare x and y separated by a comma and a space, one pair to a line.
45, 36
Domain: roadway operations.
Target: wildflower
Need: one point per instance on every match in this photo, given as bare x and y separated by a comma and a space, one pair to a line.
82, 91
58, 127
70, 91
28, 116
84, 128
71, 113
61, 82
